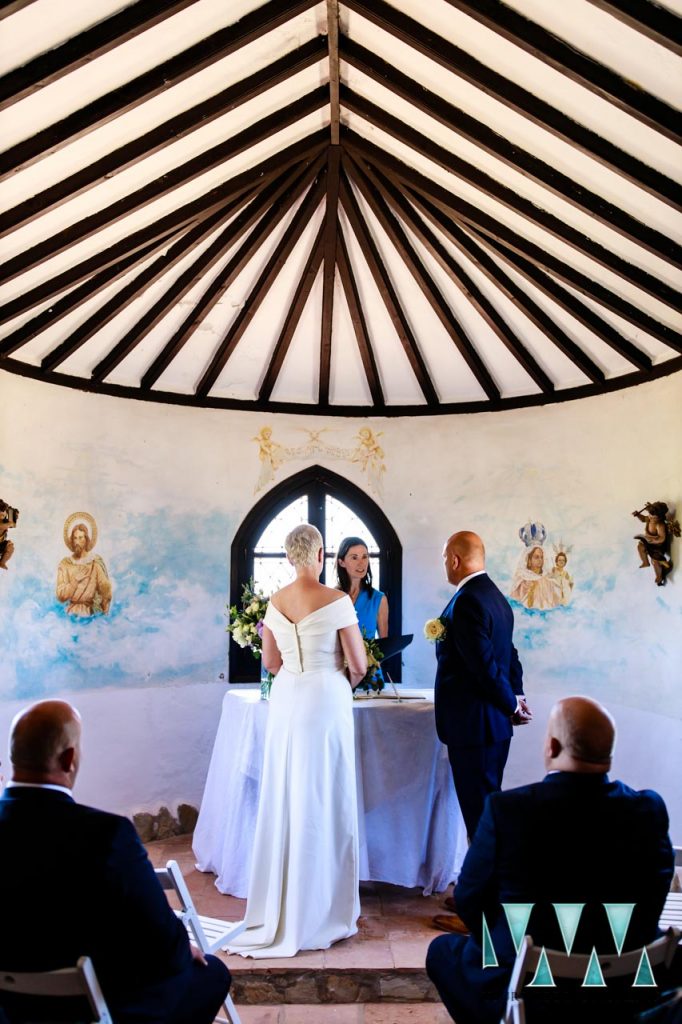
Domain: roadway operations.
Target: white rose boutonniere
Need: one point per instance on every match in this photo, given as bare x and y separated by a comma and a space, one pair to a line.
434, 630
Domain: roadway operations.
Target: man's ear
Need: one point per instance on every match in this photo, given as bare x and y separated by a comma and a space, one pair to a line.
554, 748
66, 759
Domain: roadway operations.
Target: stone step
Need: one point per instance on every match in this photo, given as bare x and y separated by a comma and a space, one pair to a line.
348, 1013
320, 987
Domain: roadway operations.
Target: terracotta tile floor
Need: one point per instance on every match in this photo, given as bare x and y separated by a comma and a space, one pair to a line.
394, 932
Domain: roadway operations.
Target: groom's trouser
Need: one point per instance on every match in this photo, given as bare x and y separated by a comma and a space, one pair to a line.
477, 771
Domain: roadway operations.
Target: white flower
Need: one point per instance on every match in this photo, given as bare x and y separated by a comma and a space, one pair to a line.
434, 630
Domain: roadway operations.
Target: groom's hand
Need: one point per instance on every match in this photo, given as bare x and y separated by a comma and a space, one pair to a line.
523, 714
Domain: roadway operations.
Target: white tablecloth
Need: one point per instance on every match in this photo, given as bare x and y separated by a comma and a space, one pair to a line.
411, 828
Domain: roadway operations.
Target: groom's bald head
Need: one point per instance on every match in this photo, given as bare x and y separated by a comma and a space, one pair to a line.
463, 554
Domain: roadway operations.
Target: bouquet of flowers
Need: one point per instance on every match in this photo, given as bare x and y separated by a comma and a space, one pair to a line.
373, 679
434, 630
246, 626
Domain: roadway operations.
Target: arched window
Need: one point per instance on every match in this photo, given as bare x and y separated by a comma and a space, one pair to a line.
338, 509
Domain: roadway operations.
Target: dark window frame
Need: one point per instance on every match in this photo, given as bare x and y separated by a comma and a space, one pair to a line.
316, 482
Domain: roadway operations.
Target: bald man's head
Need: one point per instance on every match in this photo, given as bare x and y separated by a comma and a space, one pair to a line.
463, 554
45, 743
581, 735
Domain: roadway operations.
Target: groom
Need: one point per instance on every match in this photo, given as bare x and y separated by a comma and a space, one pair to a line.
478, 691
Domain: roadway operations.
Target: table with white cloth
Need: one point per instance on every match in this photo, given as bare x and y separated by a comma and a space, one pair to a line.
411, 829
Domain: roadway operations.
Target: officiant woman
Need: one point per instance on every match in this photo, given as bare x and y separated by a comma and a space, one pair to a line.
354, 574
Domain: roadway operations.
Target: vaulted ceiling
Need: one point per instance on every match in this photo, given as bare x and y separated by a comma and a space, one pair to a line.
348, 206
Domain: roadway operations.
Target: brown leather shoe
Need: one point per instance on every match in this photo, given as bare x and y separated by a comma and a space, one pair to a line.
450, 903
449, 923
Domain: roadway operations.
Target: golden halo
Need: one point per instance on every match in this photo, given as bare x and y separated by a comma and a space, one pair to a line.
82, 517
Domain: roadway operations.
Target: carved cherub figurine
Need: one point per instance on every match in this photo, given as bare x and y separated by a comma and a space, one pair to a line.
654, 544
8, 520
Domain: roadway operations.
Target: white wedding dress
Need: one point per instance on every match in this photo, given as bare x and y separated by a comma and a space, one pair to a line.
303, 887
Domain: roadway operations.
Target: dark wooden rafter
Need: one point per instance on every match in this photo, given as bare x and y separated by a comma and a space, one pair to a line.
293, 315
467, 213
576, 65
334, 78
514, 156
651, 19
85, 47
357, 317
139, 284
8, 7
454, 232
388, 293
186, 214
298, 223
459, 276
204, 264
330, 236
573, 305
508, 197
278, 209
158, 79
166, 183
78, 296
152, 141
514, 96
434, 297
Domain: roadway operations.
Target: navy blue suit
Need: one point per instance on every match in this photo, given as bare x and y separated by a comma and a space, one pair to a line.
478, 679
572, 838
75, 881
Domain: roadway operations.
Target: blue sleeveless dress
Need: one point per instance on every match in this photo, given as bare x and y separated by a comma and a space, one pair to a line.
367, 610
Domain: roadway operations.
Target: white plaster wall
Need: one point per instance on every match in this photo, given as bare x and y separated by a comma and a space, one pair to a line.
142, 469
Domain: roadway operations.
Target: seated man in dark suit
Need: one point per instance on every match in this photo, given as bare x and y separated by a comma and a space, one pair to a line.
575, 837
75, 881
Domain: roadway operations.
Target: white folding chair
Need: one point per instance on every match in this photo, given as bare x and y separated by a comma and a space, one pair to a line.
208, 933
574, 966
74, 982
672, 911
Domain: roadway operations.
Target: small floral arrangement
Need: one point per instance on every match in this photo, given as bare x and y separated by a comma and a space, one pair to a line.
434, 630
373, 679
246, 626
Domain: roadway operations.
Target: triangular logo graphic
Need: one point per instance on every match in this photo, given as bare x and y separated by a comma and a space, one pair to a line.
568, 915
619, 915
489, 955
645, 976
543, 975
593, 975
517, 919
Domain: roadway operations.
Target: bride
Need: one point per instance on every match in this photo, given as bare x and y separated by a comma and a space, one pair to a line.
303, 888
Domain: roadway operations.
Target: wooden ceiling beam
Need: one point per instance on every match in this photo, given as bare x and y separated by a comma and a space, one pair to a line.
357, 317
10, 7
651, 19
278, 209
508, 197
481, 303
204, 264
165, 75
333, 47
531, 166
85, 47
462, 64
78, 296
574, 64
139, 284
299, 222
465, 212
293, 315
574, 306
166, 183
151, 142
388, 293
454, 232
329, 272
432, 293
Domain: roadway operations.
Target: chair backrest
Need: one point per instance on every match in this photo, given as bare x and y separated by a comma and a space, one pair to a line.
171, 880
74, 982
660, 952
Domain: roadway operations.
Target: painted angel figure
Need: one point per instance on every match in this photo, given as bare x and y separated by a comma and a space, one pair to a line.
271, 455
560, 574
654, 544
370, 455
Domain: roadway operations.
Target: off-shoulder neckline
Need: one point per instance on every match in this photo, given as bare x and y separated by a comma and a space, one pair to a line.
310, 614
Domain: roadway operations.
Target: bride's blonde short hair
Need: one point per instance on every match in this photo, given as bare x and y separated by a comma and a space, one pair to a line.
302, 545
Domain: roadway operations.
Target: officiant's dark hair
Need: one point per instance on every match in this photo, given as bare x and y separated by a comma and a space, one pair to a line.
341, 574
